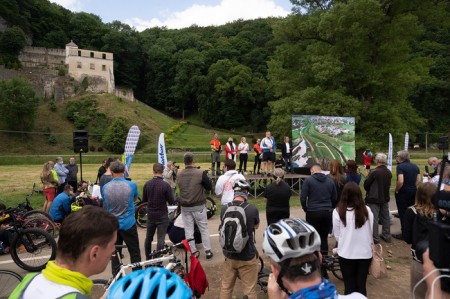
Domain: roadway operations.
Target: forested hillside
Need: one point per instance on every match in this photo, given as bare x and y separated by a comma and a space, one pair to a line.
385, 62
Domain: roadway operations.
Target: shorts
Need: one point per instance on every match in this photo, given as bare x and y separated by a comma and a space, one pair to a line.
50, 194
267, 156
215, 157
367, 166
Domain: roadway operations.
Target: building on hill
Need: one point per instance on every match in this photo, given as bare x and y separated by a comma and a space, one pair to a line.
98, 67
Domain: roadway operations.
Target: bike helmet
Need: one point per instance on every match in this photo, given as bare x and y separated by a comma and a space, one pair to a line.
153, 282
240, 185
290, 238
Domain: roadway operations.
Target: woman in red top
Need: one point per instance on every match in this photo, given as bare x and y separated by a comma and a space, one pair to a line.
258, 151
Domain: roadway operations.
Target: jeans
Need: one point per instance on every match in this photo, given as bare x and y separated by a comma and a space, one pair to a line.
131, 239
403, 201
196, 215
243, 160
288, 163
248, 273
160, 227
381, 211
355, 274
321, 221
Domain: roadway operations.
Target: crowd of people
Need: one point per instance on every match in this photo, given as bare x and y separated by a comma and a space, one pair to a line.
331, 198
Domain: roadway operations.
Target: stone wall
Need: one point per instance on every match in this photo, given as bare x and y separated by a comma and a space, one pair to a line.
125, 93
42, 57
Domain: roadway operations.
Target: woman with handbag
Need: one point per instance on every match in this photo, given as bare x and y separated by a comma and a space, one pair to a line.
352, 224
415, 232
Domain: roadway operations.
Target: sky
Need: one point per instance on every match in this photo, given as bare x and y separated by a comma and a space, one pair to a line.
143, 14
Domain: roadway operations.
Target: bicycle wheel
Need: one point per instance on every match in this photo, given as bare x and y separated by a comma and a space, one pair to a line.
9, 281
336, 269
210, 207
37, 213
141, 215
98, 288
32, 248
263, 280
41, 223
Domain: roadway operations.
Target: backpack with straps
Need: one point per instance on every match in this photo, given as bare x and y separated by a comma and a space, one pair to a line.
196, 276
233, 235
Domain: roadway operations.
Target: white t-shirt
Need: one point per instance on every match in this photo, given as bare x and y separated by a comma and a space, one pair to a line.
348, 236
243, 148
288, 147
225, 184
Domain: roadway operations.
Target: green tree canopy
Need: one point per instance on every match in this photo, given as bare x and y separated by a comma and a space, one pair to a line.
19, 104
115, 137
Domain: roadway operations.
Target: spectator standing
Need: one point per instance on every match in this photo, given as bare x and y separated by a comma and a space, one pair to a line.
286, 152
157, 194
351, 172
62, 173
324, 163
245, 263
84, 249
224, 185
277, 197
416, 231
338, 176
318, 197
230, 149
267, 146
61, 205
257, 152
243, 149
118, 198
408, 177
49, 185
101, 171
352, 224
72, 176
216, 148
295, 264
377, 185
107, 176
170, 176
191, 183
367, 154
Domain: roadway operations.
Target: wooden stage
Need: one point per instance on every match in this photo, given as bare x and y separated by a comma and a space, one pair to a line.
258, 182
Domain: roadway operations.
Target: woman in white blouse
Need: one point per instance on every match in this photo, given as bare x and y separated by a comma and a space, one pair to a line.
243, 154
352, 223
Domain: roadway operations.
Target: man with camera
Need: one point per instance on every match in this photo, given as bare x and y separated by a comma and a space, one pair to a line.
170, 175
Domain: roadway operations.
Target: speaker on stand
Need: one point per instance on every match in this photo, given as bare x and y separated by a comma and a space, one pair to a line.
80, 145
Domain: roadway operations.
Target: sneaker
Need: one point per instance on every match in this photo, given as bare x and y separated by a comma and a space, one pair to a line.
209, 254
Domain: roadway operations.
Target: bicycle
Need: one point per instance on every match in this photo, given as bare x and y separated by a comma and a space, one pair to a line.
141, 211
331, 263
9, 280
30, 248
157, 258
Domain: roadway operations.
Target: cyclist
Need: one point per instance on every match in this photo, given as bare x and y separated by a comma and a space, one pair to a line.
293, 246
153, 282
84, 249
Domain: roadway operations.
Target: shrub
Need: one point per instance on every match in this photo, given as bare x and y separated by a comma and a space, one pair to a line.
52, 140
52, 105
92, 148
100, 149
116, 134
85, 83
81, 122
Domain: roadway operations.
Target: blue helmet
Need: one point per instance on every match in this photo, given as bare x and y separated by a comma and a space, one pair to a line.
153, 282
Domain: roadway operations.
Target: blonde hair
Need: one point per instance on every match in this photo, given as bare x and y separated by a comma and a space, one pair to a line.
278, 173
423, 204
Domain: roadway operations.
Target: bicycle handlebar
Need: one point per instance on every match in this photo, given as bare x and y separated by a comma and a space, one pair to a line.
167, 249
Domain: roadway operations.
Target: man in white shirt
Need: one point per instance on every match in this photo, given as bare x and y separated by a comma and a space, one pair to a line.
225, 182
268, 148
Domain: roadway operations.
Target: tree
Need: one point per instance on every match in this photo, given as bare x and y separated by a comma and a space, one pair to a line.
115, 137
12, 41
19, 104
349, 58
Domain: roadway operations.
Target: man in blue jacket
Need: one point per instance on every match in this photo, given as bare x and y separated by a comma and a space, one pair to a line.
318, 198
60, 207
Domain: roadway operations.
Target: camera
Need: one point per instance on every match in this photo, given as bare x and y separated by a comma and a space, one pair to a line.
175, 165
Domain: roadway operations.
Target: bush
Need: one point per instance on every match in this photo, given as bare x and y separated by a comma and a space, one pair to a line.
100, 149
81, 122
52, 105
92, 148
61, 72
85, 83
116, 134
52, 140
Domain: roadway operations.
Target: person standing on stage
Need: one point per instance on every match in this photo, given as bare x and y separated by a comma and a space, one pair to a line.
216, 148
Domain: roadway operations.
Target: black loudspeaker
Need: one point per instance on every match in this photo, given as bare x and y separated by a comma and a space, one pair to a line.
80, 142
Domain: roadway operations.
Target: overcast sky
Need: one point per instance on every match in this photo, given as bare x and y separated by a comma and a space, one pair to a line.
143, 14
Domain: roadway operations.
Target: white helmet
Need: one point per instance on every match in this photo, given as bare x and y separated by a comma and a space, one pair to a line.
240, 185
290, 238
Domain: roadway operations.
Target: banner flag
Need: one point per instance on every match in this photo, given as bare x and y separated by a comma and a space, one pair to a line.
406, 141
162, 157
130, 147
390, 153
